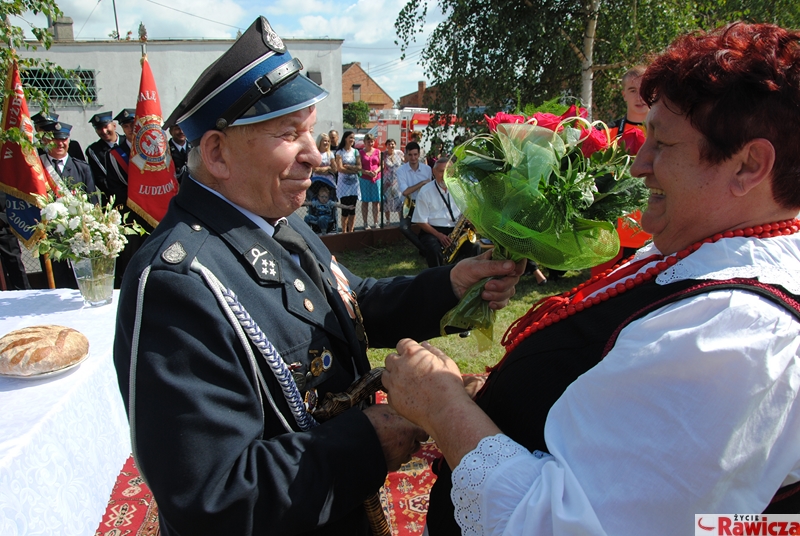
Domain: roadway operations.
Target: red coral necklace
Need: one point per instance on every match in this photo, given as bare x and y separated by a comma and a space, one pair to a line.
552, 309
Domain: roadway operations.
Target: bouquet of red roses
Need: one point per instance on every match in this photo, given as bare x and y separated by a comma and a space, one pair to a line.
546, 187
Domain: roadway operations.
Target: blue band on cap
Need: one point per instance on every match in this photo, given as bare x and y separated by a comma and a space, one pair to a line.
291, 97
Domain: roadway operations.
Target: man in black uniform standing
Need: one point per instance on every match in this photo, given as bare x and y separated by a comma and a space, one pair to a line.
179, 148
234, 314
96, 153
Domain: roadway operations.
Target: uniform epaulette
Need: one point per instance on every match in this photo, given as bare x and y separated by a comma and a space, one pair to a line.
180, 246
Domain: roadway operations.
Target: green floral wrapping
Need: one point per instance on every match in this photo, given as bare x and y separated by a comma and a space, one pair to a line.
538, 194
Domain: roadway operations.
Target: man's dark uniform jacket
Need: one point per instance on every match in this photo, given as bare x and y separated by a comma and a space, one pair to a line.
179, 157
96, 157
208, 442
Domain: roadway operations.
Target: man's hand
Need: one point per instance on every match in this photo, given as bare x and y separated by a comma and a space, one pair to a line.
399, 438
444, 239
497, 291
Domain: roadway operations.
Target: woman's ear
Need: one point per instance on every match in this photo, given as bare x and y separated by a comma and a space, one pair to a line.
212, 150
757, 158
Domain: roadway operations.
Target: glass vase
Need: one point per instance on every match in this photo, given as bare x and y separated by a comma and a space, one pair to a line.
95, 277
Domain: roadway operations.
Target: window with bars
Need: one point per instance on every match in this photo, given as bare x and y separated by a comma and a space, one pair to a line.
61, 90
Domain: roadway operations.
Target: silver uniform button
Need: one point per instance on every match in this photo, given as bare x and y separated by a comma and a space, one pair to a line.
196, 227
299, 285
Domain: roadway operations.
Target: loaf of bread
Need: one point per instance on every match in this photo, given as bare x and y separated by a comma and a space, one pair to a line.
41, 349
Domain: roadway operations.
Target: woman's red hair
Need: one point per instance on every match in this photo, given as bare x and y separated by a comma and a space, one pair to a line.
736, 84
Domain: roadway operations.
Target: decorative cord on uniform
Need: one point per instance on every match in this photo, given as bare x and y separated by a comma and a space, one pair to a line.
274, 360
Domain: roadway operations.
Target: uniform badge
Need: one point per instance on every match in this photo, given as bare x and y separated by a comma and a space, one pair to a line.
316, 366
174, 254
270, 38
264, 263
299, 379
327, 359
299, 285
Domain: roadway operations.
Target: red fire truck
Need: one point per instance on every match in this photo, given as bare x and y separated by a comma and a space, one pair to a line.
398, 125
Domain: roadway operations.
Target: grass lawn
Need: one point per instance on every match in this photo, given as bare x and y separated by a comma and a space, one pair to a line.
402, 259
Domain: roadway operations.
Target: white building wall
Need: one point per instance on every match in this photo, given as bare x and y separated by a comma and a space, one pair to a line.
175, 65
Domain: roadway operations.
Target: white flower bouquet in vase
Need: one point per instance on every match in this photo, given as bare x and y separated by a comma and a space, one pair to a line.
89, 235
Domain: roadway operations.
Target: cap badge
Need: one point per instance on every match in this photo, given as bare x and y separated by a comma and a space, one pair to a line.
270, 38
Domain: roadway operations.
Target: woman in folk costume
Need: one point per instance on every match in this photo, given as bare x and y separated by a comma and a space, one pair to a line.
667, 387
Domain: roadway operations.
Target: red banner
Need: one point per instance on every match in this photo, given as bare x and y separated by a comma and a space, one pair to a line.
151, 173
21, 171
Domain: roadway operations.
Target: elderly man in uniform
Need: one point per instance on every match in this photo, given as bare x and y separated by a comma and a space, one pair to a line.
234, 315
42, 121
105, 127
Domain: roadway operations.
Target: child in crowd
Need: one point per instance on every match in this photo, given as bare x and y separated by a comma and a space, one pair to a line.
320, 215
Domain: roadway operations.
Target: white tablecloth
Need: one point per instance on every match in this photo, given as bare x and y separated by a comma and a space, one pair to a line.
64, 439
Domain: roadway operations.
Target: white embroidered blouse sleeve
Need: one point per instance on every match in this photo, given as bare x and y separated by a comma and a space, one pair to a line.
693, 411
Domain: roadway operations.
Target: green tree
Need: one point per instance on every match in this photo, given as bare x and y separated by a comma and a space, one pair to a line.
13, 39
356, 114
505, 54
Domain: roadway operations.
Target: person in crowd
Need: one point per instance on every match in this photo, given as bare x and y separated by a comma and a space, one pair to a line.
370, 181
327, 167
412, 176
392, 198
436, 152
416, 137
635, 107
631, 128
16, 278
96, 153
66, 172
226, 446
333, 135
348, 164
117, 160
179, 148
437, 215
668, 388
42, 120
321, 212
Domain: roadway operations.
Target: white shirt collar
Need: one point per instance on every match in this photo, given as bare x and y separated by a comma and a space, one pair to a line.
774, 261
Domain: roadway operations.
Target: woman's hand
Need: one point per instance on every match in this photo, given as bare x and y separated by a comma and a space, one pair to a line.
419, 379
425, 386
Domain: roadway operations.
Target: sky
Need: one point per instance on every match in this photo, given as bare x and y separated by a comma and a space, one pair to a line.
366, 26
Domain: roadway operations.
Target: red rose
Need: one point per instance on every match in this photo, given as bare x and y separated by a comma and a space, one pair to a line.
574, 111
546, 120
593, 140
634, 139
502, 117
